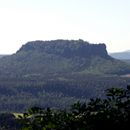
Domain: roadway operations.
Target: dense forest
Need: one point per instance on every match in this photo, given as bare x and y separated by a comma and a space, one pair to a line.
112, 112
19, 94
57, 73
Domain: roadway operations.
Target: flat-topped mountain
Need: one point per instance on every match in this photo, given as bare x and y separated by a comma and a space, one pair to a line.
48, 58
67, 48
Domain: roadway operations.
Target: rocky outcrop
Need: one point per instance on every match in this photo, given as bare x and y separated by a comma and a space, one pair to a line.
67, 48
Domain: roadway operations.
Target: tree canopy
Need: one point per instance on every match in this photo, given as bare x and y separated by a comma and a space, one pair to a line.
112, 112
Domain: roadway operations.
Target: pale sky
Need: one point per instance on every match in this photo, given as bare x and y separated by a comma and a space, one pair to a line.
95, 21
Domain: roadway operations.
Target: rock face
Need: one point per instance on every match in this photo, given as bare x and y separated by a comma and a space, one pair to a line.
64, 57
67, 48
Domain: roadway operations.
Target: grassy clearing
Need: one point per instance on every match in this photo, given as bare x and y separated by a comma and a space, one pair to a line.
18, 114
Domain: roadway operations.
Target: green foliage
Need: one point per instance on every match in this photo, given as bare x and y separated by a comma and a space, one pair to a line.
103, 114
112, 112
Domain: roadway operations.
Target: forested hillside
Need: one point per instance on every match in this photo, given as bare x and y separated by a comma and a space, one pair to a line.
39, 58
57, 73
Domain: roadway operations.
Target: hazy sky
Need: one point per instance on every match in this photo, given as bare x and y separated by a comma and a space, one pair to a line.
96, 21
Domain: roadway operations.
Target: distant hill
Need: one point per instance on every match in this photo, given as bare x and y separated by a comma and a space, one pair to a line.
127, 61
121, 55
40, 58
2, 56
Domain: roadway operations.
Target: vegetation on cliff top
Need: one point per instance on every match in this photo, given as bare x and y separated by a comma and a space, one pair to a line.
38, 58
